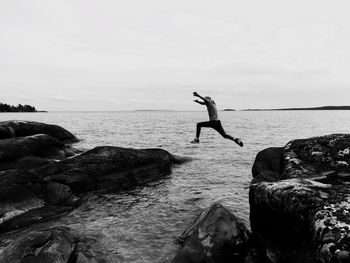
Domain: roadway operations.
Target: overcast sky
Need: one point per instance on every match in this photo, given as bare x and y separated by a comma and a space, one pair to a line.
126, 55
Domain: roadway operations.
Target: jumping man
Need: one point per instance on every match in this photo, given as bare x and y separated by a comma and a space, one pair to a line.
213, 122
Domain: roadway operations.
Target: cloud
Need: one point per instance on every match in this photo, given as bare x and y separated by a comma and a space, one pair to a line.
305, 45
87, 54
253, 69
200, 26
59, 98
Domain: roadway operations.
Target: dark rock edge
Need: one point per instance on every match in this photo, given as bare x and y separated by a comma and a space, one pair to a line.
42, 176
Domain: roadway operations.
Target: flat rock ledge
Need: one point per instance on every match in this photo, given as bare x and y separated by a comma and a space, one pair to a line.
299, 200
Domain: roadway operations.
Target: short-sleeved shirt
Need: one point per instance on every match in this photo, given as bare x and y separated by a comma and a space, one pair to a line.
212, 111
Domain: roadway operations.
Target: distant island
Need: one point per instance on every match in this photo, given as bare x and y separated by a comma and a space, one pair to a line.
312, 108
228, 110
19, 108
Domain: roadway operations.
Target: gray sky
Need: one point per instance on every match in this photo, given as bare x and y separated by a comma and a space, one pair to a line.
126, 55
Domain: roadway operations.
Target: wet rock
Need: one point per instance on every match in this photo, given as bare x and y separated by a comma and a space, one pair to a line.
109, 167
83, 258
56, 193
44, 245
15, 128
39, 193
267, 165
255, 256
305, 217
26, 199
6, 132
256, 253
215, 236
39, 246
192, 251
26, 163
30, 151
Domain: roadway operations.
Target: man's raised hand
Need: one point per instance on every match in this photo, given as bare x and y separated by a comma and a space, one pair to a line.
195, 94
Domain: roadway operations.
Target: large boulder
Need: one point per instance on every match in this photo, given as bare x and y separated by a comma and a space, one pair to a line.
267, 165
304, 214
16, 128
23, 148
215, 236
109, 167
26, 199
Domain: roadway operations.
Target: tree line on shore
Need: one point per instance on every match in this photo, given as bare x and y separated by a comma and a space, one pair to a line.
19, 108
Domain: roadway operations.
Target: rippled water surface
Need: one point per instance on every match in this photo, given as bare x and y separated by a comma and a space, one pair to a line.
142, 225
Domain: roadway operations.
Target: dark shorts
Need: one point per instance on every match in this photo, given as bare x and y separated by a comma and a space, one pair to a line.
215, 124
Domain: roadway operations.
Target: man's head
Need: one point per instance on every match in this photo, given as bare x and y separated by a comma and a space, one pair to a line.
207, 97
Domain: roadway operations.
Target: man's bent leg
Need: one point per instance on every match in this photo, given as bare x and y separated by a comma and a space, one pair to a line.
218, 127
202, 124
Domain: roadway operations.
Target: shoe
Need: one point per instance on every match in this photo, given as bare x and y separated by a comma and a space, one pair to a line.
238, 141
195, 140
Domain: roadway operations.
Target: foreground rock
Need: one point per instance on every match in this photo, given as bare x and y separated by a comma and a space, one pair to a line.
43, 246
215, 236
306, 216
26, 199
109, 167
10, 129
41, 178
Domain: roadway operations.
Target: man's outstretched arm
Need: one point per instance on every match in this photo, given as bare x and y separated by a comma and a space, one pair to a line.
200, 102
199, 96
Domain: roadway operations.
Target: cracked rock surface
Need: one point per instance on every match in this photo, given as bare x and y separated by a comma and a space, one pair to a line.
302, 215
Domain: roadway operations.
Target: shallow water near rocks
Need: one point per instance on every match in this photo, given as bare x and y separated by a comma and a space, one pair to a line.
141, 225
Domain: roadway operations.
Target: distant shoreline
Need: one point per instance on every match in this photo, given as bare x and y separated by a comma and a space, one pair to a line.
23, 111
302, 109
19, 108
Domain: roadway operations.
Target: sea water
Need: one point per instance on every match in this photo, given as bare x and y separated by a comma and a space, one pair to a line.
141, 225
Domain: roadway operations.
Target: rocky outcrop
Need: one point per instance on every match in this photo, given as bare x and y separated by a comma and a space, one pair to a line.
10, 129
303, 215
26, 199
21, 151
215, 236
41, 177
30, 196
268, 165
57, 245
108, 167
